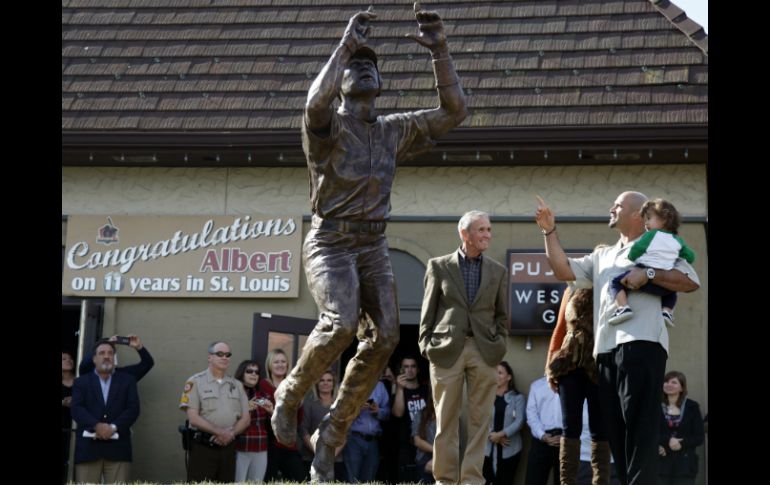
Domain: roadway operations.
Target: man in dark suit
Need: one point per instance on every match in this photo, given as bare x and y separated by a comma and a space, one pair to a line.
463, 334
104, 404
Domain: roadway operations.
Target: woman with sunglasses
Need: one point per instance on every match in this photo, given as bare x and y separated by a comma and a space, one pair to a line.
251, 445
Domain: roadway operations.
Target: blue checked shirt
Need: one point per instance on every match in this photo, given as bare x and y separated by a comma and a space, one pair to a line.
471, 271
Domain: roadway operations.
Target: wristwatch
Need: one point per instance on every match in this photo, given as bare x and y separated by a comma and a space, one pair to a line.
650, 274
114, 428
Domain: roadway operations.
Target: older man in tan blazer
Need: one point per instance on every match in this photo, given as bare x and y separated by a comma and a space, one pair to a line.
463, 333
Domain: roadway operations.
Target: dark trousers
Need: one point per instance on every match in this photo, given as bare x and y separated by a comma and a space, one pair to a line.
630, 387
506, 469
542, 458
585, 474
214, 463
285, 464
390, 464
575, 387
676, 481
65, 443
408, 471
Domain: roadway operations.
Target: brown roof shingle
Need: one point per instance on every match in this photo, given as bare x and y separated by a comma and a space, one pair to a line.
247, 65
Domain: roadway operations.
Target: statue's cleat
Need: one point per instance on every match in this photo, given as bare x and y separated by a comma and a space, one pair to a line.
329, 434
322, 468
284, 421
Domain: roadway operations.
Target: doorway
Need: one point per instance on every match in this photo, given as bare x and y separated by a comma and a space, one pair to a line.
81, 327
70, 325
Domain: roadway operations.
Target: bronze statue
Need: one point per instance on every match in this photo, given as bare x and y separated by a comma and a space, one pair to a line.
351, 157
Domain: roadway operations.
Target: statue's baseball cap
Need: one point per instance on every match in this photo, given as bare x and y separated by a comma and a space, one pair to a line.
364, 52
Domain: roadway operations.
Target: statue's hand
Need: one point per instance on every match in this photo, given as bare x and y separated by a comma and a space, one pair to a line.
358, 29
431, 29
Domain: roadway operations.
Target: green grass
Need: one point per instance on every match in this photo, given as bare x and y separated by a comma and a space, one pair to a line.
232, 483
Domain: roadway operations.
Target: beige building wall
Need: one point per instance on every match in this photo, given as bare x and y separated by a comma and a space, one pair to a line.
417, 191
177, 331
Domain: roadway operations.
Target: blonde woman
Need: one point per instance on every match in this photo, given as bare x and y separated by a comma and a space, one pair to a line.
276, 366
283, 462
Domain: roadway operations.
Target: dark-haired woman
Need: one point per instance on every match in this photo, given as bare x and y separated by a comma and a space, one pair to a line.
503, 448
251, 445
681, 431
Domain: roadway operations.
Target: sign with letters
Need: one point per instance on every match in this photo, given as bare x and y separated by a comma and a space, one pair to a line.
534, 292
239, 256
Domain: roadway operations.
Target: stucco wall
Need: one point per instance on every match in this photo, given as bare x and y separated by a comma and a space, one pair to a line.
417, 191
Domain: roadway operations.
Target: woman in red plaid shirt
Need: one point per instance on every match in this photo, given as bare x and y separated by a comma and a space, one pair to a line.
251, 445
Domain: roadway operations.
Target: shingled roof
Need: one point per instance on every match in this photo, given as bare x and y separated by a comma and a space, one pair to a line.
229, 65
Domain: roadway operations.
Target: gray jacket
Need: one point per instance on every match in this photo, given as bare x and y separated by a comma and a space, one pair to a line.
515, 409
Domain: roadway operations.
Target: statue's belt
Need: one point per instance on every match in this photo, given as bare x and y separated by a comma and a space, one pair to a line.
344, 225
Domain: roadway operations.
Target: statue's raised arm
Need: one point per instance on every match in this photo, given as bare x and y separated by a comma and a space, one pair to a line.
451, 111
327, 85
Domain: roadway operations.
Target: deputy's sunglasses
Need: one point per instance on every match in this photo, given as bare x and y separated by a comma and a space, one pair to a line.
222, 354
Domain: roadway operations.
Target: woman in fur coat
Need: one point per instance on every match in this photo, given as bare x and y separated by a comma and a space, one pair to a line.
571, 371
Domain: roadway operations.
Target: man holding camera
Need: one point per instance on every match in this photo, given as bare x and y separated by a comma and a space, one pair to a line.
136, 370
408, 402
218, 410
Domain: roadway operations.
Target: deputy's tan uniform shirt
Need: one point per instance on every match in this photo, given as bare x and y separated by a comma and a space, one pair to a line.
219, 401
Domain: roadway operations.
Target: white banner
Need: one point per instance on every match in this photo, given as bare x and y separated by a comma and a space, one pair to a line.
244, 256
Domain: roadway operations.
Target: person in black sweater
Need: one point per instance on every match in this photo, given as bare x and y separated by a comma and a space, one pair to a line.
681, 431
67, 380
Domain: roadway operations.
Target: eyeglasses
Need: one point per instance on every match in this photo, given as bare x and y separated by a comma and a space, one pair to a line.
222, 354
251, 371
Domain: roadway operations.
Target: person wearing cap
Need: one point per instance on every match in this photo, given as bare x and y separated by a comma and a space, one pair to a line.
218, 410
352, 153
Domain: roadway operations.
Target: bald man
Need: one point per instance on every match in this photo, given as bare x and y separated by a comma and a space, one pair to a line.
631, 359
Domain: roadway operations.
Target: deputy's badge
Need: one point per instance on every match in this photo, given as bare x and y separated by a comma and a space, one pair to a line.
188, 387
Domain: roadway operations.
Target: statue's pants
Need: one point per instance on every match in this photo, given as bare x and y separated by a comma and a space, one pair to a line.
351, 280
